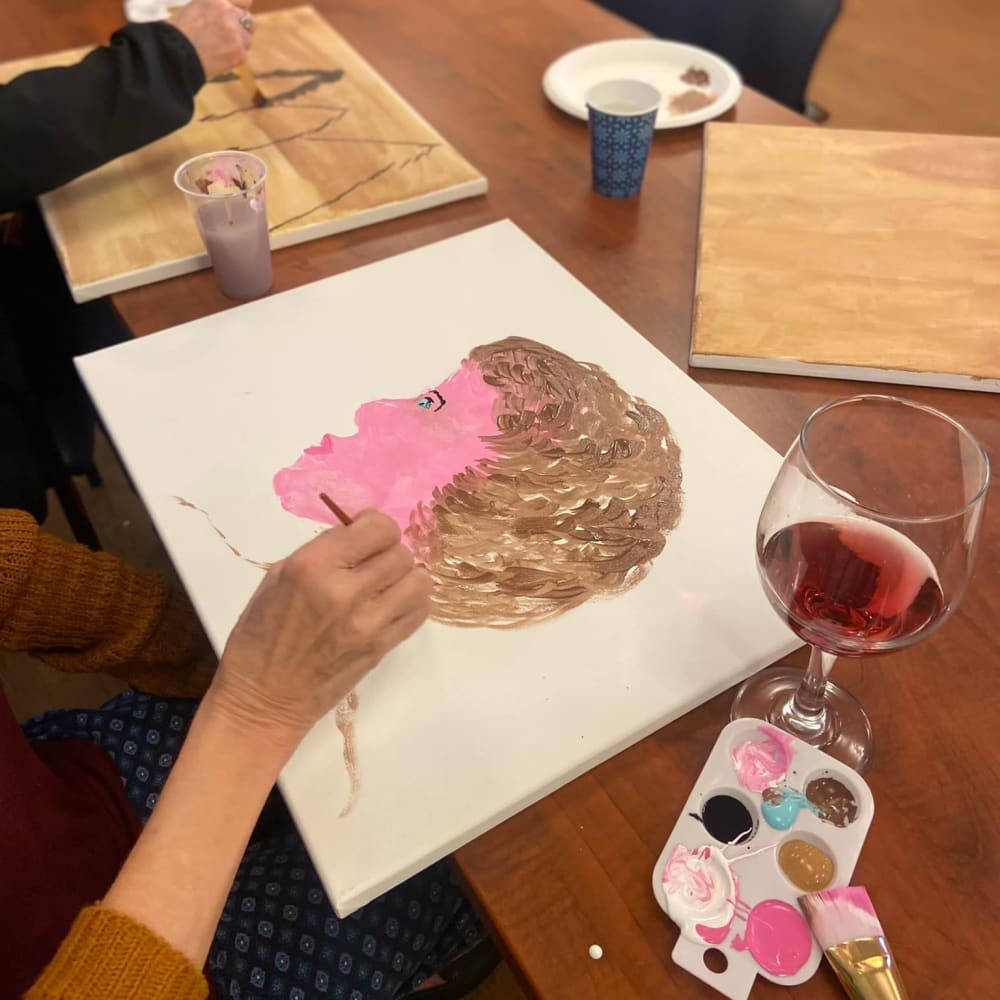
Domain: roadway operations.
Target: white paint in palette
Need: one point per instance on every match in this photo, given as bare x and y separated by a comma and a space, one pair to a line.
763, 894
458, 729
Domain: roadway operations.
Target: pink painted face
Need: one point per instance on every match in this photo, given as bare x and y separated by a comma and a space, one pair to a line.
402, 451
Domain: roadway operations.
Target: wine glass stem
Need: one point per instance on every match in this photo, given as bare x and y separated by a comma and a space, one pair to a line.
806, 713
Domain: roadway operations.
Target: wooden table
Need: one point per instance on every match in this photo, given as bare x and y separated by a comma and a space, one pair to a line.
575, 869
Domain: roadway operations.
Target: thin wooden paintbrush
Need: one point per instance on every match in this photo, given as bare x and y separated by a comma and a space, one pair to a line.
344, 519
249, 81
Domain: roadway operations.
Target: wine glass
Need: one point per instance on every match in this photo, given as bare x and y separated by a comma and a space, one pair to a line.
865, 545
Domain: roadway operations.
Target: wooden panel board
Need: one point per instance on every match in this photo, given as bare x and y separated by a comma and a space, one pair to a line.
343, 150
865, 255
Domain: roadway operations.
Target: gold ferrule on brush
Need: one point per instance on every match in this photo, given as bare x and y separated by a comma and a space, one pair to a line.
867, 970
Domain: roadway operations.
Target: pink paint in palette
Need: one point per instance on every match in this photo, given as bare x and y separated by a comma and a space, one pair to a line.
768, 819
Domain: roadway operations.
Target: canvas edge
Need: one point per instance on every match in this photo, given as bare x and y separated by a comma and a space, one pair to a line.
854, 373
89, 377
135, 279
317, 230
347, 900
710, 130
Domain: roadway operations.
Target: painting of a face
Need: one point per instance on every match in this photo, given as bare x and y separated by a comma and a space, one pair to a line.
402, 451
526, 481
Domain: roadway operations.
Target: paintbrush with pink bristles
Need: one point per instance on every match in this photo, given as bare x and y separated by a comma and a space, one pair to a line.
852, 939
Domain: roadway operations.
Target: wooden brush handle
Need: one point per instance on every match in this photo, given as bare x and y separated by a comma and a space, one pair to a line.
249, 82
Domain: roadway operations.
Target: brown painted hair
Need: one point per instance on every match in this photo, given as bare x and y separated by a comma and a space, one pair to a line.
576, 499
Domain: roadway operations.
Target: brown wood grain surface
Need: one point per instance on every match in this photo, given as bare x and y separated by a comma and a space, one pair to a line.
575, 869
861, 250
915, 65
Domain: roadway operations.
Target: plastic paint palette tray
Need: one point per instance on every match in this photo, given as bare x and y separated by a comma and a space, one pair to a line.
769, 818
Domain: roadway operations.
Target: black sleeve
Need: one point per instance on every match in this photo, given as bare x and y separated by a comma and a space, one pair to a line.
56, 124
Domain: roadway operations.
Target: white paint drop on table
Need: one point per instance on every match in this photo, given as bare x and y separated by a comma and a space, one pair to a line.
596, 951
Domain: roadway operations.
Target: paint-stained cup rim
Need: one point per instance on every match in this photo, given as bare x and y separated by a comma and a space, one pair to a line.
643, 97
183, 185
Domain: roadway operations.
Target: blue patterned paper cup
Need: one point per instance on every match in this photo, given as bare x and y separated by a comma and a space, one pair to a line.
622, 115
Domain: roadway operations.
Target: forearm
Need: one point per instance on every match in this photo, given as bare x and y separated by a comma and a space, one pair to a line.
80, 610
59, 123
180, 871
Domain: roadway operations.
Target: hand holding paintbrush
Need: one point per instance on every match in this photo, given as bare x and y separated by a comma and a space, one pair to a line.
243, 71
221, 33
249, 82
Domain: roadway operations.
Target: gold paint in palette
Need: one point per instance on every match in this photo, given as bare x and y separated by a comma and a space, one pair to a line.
769, 818
805, 865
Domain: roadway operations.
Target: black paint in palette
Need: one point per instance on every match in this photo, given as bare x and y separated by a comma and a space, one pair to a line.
727, 819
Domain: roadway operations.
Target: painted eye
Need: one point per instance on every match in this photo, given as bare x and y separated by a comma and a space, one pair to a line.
432, 401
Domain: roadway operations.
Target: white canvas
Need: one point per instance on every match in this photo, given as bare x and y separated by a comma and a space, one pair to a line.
459, 728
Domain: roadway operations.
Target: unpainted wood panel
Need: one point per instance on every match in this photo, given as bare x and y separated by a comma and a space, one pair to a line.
830, 247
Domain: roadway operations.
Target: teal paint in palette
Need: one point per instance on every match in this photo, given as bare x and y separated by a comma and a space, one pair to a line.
782, 809
768, 819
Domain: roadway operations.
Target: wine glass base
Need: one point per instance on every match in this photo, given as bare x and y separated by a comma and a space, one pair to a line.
843, 731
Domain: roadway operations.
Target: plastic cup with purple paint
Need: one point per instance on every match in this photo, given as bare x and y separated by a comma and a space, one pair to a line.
225, 191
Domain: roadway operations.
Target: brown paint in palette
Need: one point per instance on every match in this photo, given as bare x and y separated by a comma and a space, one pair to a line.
834, 801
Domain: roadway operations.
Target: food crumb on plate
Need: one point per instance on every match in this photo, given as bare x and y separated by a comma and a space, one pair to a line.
690, 100
696, 76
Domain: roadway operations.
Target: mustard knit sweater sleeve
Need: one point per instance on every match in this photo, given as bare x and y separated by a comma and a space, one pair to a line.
108, 956
79, 610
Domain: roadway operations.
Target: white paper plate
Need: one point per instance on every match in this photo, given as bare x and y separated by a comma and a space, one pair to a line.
651, 60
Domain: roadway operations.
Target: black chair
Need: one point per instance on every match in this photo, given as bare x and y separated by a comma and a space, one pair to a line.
33, 459
66, 421
773, 43
52, 420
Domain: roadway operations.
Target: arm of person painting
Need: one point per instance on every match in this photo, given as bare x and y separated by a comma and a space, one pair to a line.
61, 122
318, 623
84, 611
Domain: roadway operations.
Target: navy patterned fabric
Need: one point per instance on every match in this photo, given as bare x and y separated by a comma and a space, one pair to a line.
142, 734
278, 936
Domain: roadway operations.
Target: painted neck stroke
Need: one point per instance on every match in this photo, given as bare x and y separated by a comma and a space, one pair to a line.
526, 481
